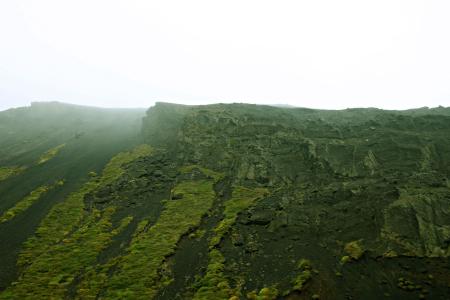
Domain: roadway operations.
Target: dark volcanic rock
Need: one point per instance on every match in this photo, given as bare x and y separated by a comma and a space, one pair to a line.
378, 177
265, 203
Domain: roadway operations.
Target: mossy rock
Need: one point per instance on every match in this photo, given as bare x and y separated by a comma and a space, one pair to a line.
354, 249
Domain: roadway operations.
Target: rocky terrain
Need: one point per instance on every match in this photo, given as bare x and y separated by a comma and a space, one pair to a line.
223, 201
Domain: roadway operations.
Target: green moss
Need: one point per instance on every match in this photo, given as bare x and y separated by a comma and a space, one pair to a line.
304, 264
266, 293
407, 285
95, 278
26, 202
114, 170
6, 172
215, 285
137, 274
50, 154
69, 239
304, 276
301, 279
49, 275
345, 259
212, 174
198, 234
64, 217
390, 254
241, 199
354, 249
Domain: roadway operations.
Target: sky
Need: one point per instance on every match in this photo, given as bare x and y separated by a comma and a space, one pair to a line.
392, 54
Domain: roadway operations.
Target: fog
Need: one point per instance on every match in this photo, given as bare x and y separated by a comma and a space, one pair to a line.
320, 54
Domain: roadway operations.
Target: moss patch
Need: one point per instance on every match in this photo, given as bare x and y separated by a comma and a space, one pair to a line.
354, 249
6, 172
242, 199
137, 274
69, 238
26, 202
266, 293
215, 285
50, 274
210, 173
50, 154
304, 276
95, 277
64, 217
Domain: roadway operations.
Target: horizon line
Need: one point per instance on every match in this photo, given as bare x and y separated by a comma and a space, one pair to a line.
276, 105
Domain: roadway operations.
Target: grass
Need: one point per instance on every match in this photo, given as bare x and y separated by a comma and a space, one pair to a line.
64, 217
137, 274
95, 277
212, 174
266, 293
300, 281
26, 202
241, 199
50, 274
304, 275
354, 249
145, 239
6, 172
214, 284
69, 239
50, 154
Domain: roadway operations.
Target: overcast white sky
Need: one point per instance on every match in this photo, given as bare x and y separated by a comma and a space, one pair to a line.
317, 53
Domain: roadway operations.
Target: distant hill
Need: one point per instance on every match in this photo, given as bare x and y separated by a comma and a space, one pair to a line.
224, 201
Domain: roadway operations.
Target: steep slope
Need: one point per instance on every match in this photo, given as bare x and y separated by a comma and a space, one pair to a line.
362, 194
232, 202
45, 144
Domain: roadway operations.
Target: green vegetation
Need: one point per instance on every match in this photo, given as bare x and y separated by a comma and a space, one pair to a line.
69, 238
26, 202
304, 266
50, 154
354, 249
154, 227
345, 259
137, 275
242, 199
6, 172
408, 285
267, 293
198, 234
212, 174
94, 280
304, 275
215, 285
95, 277
64, 217
50, 274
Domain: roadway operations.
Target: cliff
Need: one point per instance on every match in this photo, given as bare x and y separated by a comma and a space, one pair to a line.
238, 201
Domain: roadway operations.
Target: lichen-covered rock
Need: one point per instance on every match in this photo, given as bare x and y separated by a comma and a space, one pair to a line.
418, 223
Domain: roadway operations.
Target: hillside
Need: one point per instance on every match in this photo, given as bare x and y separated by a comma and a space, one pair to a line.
45, 143
225, 201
